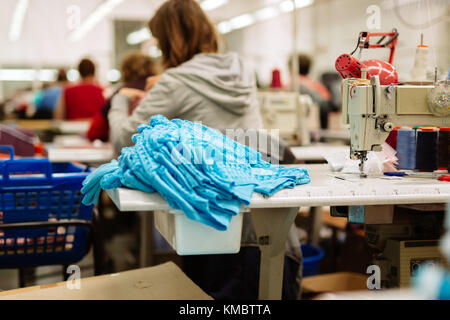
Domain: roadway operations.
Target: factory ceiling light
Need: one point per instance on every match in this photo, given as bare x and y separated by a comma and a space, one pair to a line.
28, 74
155, 52
114, 75
209, 5
241, 21
224, 27
139, 36
144, 34
73, 75
303, 3
265, 13
95, 17
17, 20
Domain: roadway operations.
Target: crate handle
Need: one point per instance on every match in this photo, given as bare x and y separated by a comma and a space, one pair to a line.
10, 149
27, 165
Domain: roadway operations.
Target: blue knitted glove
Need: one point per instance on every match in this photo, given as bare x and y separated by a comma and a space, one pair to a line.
92, 184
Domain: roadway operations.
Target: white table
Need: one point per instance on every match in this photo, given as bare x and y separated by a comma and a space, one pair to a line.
61, 126
92, 156
70, 140
71, 127
317, 153
68, 148
272, 217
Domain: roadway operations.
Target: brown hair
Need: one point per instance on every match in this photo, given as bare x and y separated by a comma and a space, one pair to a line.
136, 66
304, 63
86, 68
182, 30
62, 76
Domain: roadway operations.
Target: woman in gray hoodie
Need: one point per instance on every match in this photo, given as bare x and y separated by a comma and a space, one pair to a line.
198, 84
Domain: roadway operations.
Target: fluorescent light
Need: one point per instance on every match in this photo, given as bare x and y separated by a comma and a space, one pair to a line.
154, 52
242, 21
266, 13
47, 75
286, 6
95, 17
28, 75
17, 74
138, 36
303, 3
209, 5
269, 12
224, 27
17, 20
73, 75
114, 75
144, 34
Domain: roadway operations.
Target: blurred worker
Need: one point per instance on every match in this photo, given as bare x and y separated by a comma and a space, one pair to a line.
318, 92
83, 100
49, 97
198, 84
332, 81
136, 68
19, 105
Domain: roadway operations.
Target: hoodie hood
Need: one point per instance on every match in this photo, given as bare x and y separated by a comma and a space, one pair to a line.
221, 78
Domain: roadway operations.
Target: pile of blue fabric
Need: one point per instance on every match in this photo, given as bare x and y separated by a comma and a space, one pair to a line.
197, 170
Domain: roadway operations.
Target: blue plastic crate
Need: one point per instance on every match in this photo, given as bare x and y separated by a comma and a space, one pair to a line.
36, 190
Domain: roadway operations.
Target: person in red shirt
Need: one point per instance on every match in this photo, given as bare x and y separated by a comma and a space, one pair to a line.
136, 68
83, 100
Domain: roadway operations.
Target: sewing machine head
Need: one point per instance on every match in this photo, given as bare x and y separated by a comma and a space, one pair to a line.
288, 113
372, 110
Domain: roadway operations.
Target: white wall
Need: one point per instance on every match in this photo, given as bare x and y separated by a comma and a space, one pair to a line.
331, 27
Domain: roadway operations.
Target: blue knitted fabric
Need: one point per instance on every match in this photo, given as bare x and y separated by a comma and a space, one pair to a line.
196, 169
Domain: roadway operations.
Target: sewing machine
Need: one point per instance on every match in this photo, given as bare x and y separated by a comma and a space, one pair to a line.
372, 110
287, 112
402, 260
402, 247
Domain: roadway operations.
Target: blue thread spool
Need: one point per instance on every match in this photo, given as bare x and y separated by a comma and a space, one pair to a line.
427, 150
406, 148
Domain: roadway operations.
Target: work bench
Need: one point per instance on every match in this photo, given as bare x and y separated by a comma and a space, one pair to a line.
273, 216
68, 148
92, 156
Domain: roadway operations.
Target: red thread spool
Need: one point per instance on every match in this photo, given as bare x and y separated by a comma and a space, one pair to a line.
392, 138
276, 79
